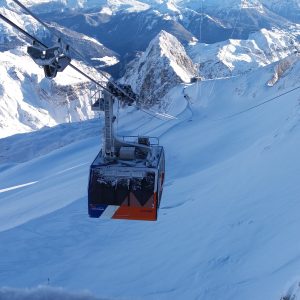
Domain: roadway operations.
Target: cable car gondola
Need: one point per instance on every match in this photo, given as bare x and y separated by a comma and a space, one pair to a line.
126, 178
129, 187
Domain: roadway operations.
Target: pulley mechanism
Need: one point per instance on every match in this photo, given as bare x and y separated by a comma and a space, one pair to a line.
54, 59
123, 92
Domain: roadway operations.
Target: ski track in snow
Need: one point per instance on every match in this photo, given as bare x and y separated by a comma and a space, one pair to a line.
17, 187
229, 219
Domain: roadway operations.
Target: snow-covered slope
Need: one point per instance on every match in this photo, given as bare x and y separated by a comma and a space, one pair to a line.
229, 218
162, 66
29, 101
235, 57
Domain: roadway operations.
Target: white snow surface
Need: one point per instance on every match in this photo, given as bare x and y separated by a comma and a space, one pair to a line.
229, 217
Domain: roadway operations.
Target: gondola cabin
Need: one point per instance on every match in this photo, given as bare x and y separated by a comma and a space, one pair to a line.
130, 186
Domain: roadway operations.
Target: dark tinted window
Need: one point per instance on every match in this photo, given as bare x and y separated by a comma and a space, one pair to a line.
143, 188
107, 190
111, 191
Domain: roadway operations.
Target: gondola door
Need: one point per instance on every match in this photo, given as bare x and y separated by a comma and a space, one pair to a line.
141, 201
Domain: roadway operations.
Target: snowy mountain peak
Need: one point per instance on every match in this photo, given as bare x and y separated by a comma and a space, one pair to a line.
235, 56
167, 7
161, 42
164, 45
252, 4
161, 67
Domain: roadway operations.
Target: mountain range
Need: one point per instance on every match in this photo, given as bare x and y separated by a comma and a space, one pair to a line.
222, 39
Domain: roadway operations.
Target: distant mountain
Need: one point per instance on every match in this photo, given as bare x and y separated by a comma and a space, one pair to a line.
287, 9
219, 21
161, 67
148, 37
123, 32
92, 49
128, 26
235, 57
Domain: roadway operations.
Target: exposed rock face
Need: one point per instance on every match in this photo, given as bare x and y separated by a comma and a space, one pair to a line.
162, 66
282, 67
